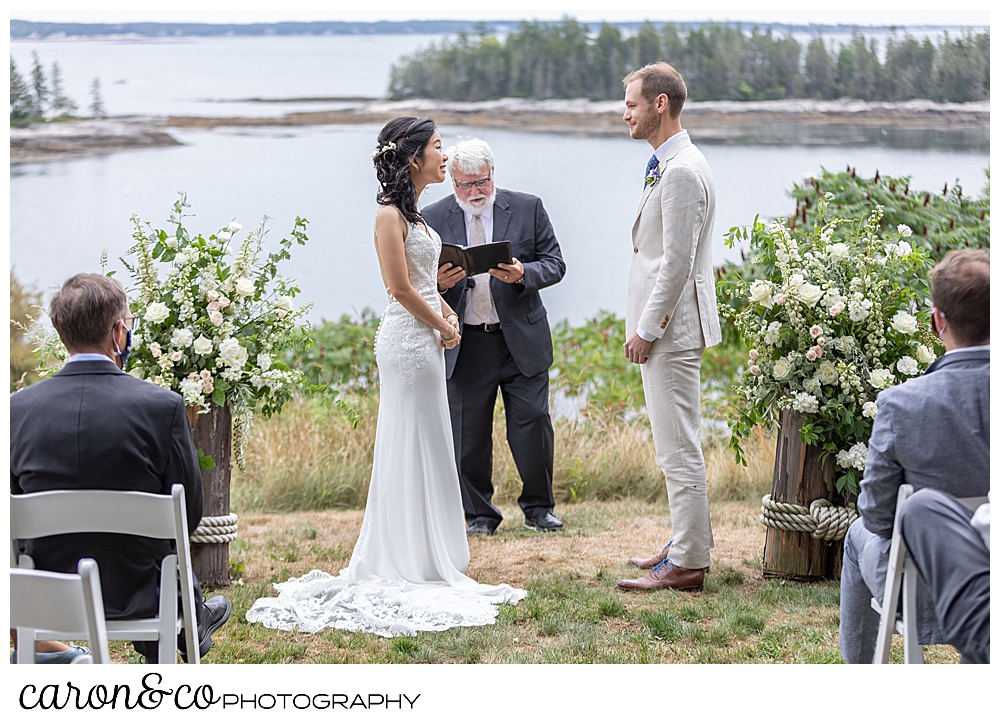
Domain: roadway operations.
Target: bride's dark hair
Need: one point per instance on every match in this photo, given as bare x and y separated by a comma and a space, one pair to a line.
399, 141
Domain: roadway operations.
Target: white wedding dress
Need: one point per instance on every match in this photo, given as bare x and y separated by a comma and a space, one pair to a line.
407, 570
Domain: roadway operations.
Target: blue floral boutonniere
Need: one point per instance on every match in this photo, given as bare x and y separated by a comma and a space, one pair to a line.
652, 177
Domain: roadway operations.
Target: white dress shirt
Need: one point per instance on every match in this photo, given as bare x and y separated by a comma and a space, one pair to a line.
90, 357
470, 316
660, 152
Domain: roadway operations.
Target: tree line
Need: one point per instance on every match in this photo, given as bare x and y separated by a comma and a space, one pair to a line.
718, 62
41, 98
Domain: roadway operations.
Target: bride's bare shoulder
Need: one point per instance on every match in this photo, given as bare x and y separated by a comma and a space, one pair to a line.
390, 222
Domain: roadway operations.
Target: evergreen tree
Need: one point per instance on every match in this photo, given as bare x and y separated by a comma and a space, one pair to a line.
22, 104
96, 102
819, 80
61, 104
38, 86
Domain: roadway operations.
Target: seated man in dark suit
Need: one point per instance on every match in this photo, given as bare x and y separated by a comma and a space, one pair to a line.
932, 431
91, 426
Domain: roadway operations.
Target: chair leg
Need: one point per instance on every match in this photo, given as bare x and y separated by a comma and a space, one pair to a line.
913, 652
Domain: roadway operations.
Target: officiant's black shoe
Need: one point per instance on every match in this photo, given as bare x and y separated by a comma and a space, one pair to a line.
544, 521
480, 527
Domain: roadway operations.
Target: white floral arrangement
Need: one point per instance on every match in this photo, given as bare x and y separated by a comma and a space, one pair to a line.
832, 318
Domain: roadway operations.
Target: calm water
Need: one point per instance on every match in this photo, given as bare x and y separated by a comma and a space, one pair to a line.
63, 212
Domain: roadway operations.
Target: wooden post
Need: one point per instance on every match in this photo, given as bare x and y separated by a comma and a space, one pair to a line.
800, 478
213, 435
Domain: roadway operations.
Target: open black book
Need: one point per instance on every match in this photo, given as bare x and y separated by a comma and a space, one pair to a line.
476, 259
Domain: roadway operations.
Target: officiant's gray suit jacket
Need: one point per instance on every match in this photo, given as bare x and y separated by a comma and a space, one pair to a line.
520, 219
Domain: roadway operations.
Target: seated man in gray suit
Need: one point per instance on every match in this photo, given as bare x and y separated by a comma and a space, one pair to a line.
932, 431
93, 427
506, 343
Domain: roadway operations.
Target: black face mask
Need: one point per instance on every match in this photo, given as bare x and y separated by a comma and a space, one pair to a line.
123, 354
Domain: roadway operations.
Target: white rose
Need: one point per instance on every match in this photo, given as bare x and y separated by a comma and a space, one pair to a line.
903, 249
170, 242
869, 409
924, 354
781, 368
838, 251
810, 294
235, 226
232, 353
760, 292
904, 230
285, 303
156, 312
904, 323
181, 338
880, 379
827, 374
907, 366
203, 345
263, 361
244, 287
224, 236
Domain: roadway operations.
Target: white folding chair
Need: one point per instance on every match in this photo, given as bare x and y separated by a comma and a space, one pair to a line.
41, 600
901, 579
35, 515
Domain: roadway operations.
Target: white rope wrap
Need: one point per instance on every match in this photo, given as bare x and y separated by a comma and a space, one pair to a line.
822, 519
215, 529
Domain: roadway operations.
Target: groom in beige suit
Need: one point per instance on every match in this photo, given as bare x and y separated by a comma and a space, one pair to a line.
672, 315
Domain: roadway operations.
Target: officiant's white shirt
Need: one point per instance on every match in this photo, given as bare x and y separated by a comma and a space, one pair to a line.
470, 316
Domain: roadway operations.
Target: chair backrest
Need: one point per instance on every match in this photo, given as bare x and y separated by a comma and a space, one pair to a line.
56, 512
58, 601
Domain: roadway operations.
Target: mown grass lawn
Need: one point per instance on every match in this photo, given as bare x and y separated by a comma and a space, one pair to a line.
573, 613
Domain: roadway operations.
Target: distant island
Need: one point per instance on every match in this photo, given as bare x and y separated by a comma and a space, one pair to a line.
24, 29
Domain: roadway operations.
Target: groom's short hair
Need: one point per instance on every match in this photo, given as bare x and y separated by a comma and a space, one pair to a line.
960, 288
657, 79
85, 310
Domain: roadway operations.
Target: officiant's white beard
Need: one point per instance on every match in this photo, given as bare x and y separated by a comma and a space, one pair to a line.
476, 205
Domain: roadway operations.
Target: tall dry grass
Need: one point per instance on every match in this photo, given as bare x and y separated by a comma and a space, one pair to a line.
310, 458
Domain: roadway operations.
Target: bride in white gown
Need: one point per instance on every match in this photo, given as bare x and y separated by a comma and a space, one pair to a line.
407, 570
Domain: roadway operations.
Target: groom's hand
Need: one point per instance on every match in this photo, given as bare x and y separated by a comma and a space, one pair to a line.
637, 349
449, 275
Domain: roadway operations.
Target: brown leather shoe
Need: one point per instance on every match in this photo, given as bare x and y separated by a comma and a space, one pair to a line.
667, 575
654, 561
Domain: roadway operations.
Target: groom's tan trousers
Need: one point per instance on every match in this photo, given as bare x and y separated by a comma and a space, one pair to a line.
672, 384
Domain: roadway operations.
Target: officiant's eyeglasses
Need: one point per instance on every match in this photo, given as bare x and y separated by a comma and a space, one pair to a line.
136, 323
478, 183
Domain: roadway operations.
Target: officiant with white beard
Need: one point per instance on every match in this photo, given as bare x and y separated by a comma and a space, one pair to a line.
506, 344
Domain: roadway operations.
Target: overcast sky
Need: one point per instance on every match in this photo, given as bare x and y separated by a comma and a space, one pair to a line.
860, 12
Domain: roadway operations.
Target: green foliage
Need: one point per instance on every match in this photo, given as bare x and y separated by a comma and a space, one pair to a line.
589, 362
24, 311
718, 61
22, 104
342, 353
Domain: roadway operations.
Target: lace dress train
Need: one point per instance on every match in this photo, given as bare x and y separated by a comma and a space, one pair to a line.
407, 570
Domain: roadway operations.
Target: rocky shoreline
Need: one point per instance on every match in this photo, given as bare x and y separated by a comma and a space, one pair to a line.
804, 121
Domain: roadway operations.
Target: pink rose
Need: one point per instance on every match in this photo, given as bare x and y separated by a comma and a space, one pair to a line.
754, 354
817, 350
821, 340
154, 349
779, 298
213, 306
207, 386
175, 356
815, 331
224, 302
213, 296
756, 370
215, 318
811, 354
836, 309
205, 375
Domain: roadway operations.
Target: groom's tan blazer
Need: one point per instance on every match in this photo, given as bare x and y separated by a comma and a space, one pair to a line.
671, 283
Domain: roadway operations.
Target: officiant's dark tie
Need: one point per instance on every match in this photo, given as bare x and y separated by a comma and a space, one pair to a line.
482, 301
653, 163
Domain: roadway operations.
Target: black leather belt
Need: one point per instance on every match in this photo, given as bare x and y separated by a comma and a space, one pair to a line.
484, 327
